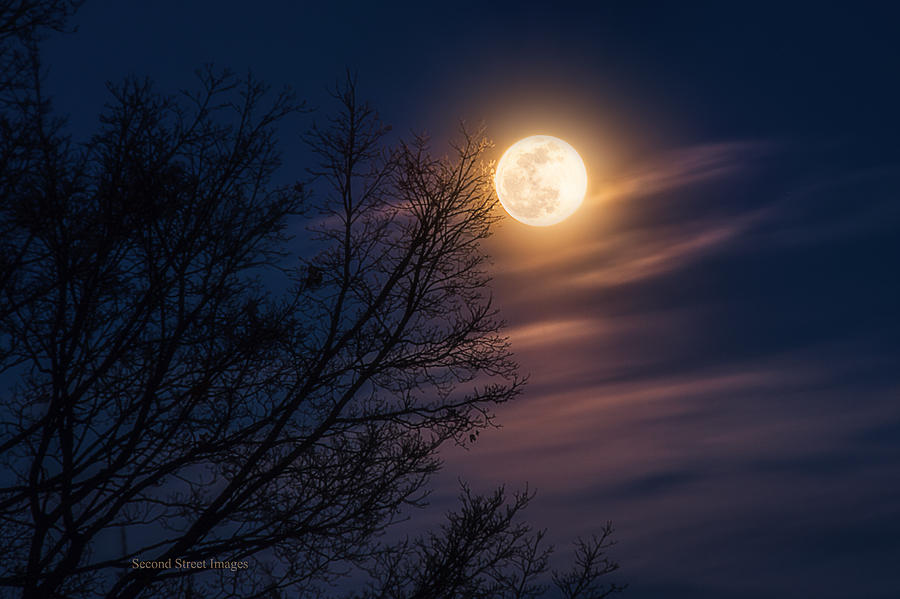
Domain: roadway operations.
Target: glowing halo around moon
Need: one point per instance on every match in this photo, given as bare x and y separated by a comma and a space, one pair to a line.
540, 180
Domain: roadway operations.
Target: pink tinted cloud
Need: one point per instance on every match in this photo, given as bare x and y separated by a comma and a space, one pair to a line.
683, 167
605, 439
616, 257
648, 253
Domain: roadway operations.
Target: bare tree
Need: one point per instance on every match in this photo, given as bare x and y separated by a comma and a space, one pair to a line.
484, 551
166, 404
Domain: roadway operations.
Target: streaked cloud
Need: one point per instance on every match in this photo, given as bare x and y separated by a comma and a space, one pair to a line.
648, 253
685, 166
645, 249
702, 364
800, 213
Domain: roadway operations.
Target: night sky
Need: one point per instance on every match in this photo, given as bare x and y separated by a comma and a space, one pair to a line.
713, 339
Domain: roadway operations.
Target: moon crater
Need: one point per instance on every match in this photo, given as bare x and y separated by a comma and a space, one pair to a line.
540, 180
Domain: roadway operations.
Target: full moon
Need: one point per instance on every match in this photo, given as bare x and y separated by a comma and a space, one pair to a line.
540, 180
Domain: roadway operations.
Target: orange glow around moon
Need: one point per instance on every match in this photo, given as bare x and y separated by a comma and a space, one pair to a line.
540, 180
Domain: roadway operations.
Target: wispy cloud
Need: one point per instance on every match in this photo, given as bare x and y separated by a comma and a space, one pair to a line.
643, 254
553, 331
639, 443
684, 167
799, 213
644, 249
692, 398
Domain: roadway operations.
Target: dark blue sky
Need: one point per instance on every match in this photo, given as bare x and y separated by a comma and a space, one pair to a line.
713, 337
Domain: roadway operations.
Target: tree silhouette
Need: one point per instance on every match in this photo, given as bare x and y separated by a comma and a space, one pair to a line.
166, 403
483, 551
